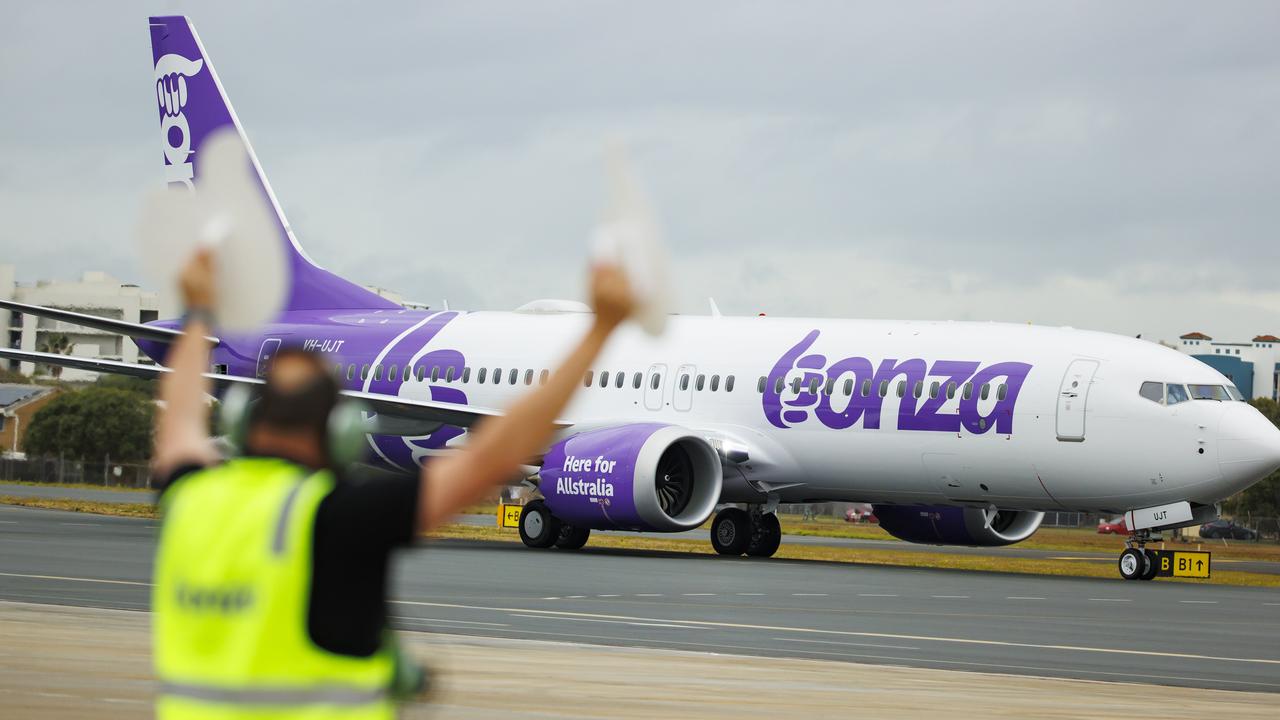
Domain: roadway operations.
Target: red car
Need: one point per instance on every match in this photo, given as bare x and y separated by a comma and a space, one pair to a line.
859, 513
1114, 527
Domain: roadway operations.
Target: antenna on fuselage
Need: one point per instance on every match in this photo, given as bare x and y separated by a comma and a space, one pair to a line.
715, 309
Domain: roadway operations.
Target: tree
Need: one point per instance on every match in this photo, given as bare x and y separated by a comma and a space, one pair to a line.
93, 423
57, 344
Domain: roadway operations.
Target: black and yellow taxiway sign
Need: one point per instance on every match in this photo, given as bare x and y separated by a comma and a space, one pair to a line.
1182, 563
509, 516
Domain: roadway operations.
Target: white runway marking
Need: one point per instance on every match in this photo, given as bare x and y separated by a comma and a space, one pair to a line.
1110, 600
808, 594
951, 597
851, 633
749, 594
551, 598
614, 622
442, 620
875, 595
1022, 597
81, 524
76, 579
8, 522
854, 644
699, 594
606, 596
648, 594
1199, 602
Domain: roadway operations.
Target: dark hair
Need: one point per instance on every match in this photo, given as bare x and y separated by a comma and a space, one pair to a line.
301, 408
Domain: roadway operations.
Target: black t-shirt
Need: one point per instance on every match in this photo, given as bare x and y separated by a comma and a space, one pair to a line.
358, 524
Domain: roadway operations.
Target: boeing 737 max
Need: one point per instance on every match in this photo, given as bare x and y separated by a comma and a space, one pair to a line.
957, 432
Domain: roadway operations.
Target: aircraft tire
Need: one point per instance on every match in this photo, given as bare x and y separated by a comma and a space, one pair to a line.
1133, 563
1152, 567
731, 531
766, 536
572, 538
538, 527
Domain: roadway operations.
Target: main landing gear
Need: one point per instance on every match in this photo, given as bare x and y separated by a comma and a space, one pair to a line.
1137, 562
751, 532
540, 529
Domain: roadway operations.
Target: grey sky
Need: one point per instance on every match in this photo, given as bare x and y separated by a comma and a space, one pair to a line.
1104, 165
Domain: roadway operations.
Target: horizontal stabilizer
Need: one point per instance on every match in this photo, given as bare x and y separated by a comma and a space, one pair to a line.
134, 330
421, 411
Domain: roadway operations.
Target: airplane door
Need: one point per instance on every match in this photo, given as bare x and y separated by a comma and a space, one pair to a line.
654, 384
268, 351
1072, 397
682, 398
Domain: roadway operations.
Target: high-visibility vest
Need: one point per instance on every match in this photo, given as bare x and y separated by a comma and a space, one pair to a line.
231, 593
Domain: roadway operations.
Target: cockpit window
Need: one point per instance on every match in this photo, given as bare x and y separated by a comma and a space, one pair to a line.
1235, 393
1208, 392
1177, 394
1152, 391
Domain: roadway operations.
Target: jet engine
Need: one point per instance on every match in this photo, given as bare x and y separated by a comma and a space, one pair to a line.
650, 477
947, 525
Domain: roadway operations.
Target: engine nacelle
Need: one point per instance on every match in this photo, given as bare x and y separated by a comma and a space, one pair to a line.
651, 477
946, 525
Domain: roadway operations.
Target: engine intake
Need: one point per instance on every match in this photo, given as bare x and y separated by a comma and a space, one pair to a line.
650, 477
948, 525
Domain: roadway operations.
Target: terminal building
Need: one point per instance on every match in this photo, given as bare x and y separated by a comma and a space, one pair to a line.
95, 293
1253, 366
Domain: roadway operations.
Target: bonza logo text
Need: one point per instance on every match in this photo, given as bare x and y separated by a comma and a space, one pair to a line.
172, 72
809, 384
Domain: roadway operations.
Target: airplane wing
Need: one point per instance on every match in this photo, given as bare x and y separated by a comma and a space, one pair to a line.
128, 329
414, 415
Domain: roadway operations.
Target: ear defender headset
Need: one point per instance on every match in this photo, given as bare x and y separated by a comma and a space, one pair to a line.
344, 436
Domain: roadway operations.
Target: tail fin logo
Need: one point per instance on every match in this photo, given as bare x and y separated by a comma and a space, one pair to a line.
172, 72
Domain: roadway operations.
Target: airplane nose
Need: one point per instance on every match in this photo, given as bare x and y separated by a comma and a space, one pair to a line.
1248, 445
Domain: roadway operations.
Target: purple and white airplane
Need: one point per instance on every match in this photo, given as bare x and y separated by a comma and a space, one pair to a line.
957, 433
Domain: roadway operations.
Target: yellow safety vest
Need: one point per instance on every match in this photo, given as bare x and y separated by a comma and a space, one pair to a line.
230, 602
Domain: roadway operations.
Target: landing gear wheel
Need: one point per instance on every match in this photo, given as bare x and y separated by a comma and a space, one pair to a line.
766, 535
572, 538
1152, 566
1133, 563
731, 531
538, 527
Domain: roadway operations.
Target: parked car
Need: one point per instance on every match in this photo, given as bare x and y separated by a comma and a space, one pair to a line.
859, 513
1115, 526
1227, 529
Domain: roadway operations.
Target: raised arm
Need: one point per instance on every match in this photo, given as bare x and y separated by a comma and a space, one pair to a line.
500, 445
182, 425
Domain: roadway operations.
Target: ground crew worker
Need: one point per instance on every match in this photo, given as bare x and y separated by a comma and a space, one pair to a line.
270, 581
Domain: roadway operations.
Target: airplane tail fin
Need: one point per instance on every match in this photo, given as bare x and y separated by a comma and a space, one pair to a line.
192, 105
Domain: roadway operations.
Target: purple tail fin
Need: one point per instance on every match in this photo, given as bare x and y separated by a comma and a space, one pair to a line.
192, 105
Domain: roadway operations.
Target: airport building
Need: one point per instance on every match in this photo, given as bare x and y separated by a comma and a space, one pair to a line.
95, 293
1253, 366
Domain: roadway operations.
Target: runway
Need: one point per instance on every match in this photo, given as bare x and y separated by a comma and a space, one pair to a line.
1165, 633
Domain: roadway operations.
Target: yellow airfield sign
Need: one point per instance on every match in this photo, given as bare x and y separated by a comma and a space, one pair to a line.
1182, 563
509, 516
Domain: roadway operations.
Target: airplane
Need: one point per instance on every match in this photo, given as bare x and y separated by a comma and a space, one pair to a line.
956, 432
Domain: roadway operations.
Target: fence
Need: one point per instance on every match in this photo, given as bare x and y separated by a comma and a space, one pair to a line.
63, 471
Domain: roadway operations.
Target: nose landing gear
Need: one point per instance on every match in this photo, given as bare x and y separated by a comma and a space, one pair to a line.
1137, 562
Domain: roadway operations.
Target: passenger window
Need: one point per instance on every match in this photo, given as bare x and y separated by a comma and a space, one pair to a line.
813, 386
377, 372
933, 390
700, 383
635, 381
337, 370
466, 374
684, 382
448, 374
951, 390
513, 376
866, 388
497, 376
830, 386
848, 387
902, 388
586, 381
655, 381
760, 384
480, 375
364, 372
542, 379
728, 384
392, 372
528, 377
604, 379
715, 383
1152, 391
777, 385
618, 379
435, 373
968, 391
1001, 391
795, 385
918, 390
986, 391
351, 371
884, 388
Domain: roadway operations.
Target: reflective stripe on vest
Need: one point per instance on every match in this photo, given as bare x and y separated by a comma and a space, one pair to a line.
231, 599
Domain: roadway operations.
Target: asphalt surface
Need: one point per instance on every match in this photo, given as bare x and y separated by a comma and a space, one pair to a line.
110, 496
1158, 632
